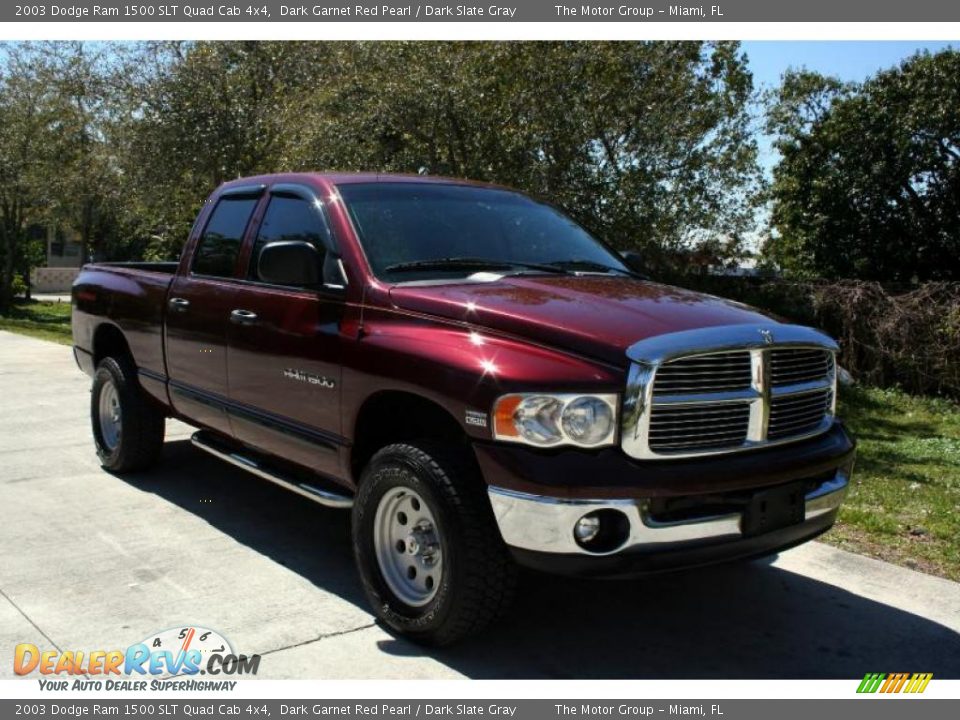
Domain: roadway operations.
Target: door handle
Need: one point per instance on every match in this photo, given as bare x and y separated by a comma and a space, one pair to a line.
243, 317
178, 304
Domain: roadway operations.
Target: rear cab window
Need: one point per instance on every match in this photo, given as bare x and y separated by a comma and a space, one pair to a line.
219, 246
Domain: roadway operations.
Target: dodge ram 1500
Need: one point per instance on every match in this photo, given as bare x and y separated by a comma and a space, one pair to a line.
484, 383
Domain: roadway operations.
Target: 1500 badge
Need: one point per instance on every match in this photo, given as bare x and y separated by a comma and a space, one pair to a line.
324, 382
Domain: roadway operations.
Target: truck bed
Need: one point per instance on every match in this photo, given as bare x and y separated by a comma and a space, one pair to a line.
130, 297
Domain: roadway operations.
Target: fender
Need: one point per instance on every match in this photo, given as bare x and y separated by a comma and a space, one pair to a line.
461, 368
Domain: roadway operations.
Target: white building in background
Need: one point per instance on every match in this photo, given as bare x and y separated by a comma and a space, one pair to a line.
64, 255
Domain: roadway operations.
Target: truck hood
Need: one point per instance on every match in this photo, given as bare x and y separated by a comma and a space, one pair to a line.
592, 315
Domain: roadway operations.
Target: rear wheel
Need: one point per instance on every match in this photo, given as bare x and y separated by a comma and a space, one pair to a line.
431, 558
128, 426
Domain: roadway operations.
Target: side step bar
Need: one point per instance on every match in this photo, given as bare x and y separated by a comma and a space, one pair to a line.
324, 497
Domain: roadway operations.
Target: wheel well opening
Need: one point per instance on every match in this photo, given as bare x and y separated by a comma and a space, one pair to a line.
108, 341
394, 416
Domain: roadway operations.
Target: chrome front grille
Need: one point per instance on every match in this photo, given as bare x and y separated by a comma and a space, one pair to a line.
791, 366
727, 389
704, 373
798, 414
684, 427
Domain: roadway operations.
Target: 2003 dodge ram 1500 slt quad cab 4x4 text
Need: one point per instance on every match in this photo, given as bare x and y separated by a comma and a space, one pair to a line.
482, 381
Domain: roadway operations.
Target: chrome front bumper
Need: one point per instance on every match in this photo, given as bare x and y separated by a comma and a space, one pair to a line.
545, 524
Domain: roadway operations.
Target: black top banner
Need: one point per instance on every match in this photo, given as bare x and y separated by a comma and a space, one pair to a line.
499, 11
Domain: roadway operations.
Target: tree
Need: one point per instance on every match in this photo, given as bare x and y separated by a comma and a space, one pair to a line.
27, 137
868, 185
647, 144
58, 165
92, 198
197, 114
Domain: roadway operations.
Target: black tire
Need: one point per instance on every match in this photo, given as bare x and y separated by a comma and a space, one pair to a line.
479, 576
142, 423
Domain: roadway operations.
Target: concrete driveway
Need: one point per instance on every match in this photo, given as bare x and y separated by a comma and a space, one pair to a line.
90, 560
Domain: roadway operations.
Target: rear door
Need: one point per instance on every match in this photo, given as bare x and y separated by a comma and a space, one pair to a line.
284, 344
198, 312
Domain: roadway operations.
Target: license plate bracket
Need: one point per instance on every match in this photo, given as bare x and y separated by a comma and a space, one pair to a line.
774, 509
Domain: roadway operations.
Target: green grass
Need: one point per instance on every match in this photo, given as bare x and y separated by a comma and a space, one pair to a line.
43, 320
904, 502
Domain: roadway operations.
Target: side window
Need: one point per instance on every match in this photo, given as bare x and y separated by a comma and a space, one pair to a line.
219, 245
288, 219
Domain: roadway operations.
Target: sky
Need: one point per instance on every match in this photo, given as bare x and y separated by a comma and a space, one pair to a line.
844, 59
847, 60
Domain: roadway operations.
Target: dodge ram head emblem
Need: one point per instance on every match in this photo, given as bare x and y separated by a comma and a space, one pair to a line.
767, 336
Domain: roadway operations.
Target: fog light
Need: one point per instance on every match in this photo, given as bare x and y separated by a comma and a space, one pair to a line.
602, 531
587, 528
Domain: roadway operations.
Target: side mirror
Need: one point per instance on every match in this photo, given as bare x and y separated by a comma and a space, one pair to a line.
634, 261
290, 262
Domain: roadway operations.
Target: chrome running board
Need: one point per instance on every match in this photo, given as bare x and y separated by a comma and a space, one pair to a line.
324, 497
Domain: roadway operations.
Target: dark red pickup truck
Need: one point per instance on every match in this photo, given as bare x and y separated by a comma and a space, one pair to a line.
483, 382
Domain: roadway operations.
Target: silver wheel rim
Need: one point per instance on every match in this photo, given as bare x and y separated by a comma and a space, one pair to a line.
406, 540
109, 412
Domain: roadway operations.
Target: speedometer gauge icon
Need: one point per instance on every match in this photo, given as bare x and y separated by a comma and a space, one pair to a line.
178, 641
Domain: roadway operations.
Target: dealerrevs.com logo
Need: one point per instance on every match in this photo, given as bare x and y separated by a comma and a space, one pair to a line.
171, 659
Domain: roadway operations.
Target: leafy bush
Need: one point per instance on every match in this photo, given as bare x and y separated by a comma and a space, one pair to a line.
18, 286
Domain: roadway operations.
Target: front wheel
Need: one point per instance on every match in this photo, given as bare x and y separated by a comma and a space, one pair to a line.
128, 426
431, 558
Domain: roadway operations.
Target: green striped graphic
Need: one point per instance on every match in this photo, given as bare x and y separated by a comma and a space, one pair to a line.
871, 682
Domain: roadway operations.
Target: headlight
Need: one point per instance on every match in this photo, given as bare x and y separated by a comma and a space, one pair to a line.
546, 420
587, 420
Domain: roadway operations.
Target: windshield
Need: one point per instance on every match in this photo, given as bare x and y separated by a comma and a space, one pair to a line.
420, 230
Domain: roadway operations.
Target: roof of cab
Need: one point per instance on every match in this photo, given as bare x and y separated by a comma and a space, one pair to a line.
347, 178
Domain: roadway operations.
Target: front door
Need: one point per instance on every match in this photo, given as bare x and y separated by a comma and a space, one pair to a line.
284, 346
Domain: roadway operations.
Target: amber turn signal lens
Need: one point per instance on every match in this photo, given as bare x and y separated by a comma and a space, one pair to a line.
503, 424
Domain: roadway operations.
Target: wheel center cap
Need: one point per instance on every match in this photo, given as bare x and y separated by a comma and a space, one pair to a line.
421, 543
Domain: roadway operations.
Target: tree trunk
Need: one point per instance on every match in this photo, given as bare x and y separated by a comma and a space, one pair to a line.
6, 276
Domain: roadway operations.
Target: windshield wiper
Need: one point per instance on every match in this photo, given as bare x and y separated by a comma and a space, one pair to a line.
470, 263
589, 265
592, 266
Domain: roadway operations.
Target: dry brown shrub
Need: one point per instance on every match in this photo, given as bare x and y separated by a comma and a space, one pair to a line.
910, 339
906, 337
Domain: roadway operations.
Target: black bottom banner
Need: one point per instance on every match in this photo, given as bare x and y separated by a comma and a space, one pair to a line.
868, 708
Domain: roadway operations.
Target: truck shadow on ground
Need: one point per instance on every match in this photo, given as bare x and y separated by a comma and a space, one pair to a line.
748, 620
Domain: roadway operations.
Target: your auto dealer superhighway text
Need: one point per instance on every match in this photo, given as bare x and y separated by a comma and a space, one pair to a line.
402, 710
